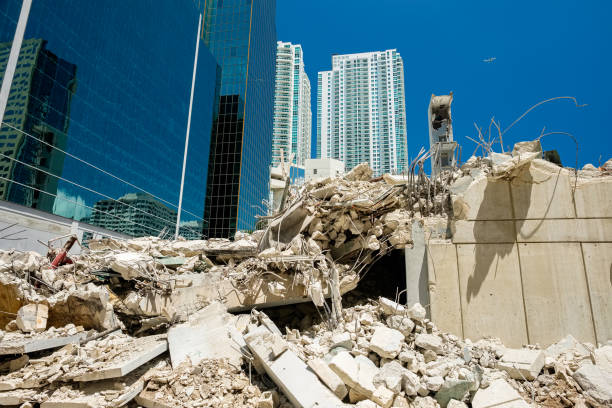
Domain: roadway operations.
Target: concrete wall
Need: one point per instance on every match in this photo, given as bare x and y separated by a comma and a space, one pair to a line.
530, 261
21, 228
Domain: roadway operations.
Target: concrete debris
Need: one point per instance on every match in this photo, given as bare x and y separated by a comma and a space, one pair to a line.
208, 334
596, 383
154, 320
522, 364
498, 394
32, 317
21, 343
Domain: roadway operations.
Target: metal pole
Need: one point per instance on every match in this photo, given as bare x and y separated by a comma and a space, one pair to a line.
193, 78
11, 65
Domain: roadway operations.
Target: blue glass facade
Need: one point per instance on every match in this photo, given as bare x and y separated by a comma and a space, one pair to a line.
95, 123
241, 34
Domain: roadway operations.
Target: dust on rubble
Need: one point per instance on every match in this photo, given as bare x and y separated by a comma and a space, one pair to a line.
146, 321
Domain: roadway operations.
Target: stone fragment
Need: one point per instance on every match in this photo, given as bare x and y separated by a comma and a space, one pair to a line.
32, 317
390, 375
358, 373
434, 383
453, 389
328, 377
522, 363
595, 382
429, 342
401, 323
410, 383
390, 307
299, 384
386, 342
130, 264
400, 402
367, 404
209, 333
603, 358
429, 356
417, 312
342, 340
498, 394
456, 404
268, 399
568, 346
424, 402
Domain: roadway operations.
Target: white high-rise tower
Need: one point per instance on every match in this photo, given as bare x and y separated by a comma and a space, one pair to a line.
292, 114
361, 112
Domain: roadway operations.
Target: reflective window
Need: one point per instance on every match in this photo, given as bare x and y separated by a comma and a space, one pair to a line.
241, 35
95, 123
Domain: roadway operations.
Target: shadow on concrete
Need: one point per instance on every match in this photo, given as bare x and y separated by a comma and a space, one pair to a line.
485, 255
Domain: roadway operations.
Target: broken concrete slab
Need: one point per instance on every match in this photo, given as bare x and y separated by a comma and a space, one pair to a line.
14, 343
595, 382
522, 364
32, 317
291, 374
17, 397
41, 372
498, 394
14, 364
328, 377
209, 333
127, 356
100, 394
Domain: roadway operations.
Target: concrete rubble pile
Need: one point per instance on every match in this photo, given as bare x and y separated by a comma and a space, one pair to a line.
157, 323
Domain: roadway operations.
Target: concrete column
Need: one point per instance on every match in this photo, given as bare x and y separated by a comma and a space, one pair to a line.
417, 277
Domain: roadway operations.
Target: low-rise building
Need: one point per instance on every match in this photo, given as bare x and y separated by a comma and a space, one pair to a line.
321, 168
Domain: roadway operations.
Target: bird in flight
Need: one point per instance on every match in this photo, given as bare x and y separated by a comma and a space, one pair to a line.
489, 59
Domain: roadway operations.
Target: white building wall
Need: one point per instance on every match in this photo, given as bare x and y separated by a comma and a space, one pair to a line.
322, 168
361, 113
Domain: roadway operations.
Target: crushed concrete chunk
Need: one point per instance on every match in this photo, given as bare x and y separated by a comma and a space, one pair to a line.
522, 363
290, 373
453, 389
417, 312
32, 317
498, 394
401, 323
390, 307
596, 383
429, 342
603, 358
328, 377
386, 342
209, 333
456, 404
390, 375
359, 375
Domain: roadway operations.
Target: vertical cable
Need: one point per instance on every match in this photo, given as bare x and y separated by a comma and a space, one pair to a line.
193, 78
11, 65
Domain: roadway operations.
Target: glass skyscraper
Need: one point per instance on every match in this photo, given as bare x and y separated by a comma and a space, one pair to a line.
292, 113
241, 34
95, 123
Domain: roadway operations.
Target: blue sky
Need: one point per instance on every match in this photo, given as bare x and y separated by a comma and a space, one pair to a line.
543, 49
